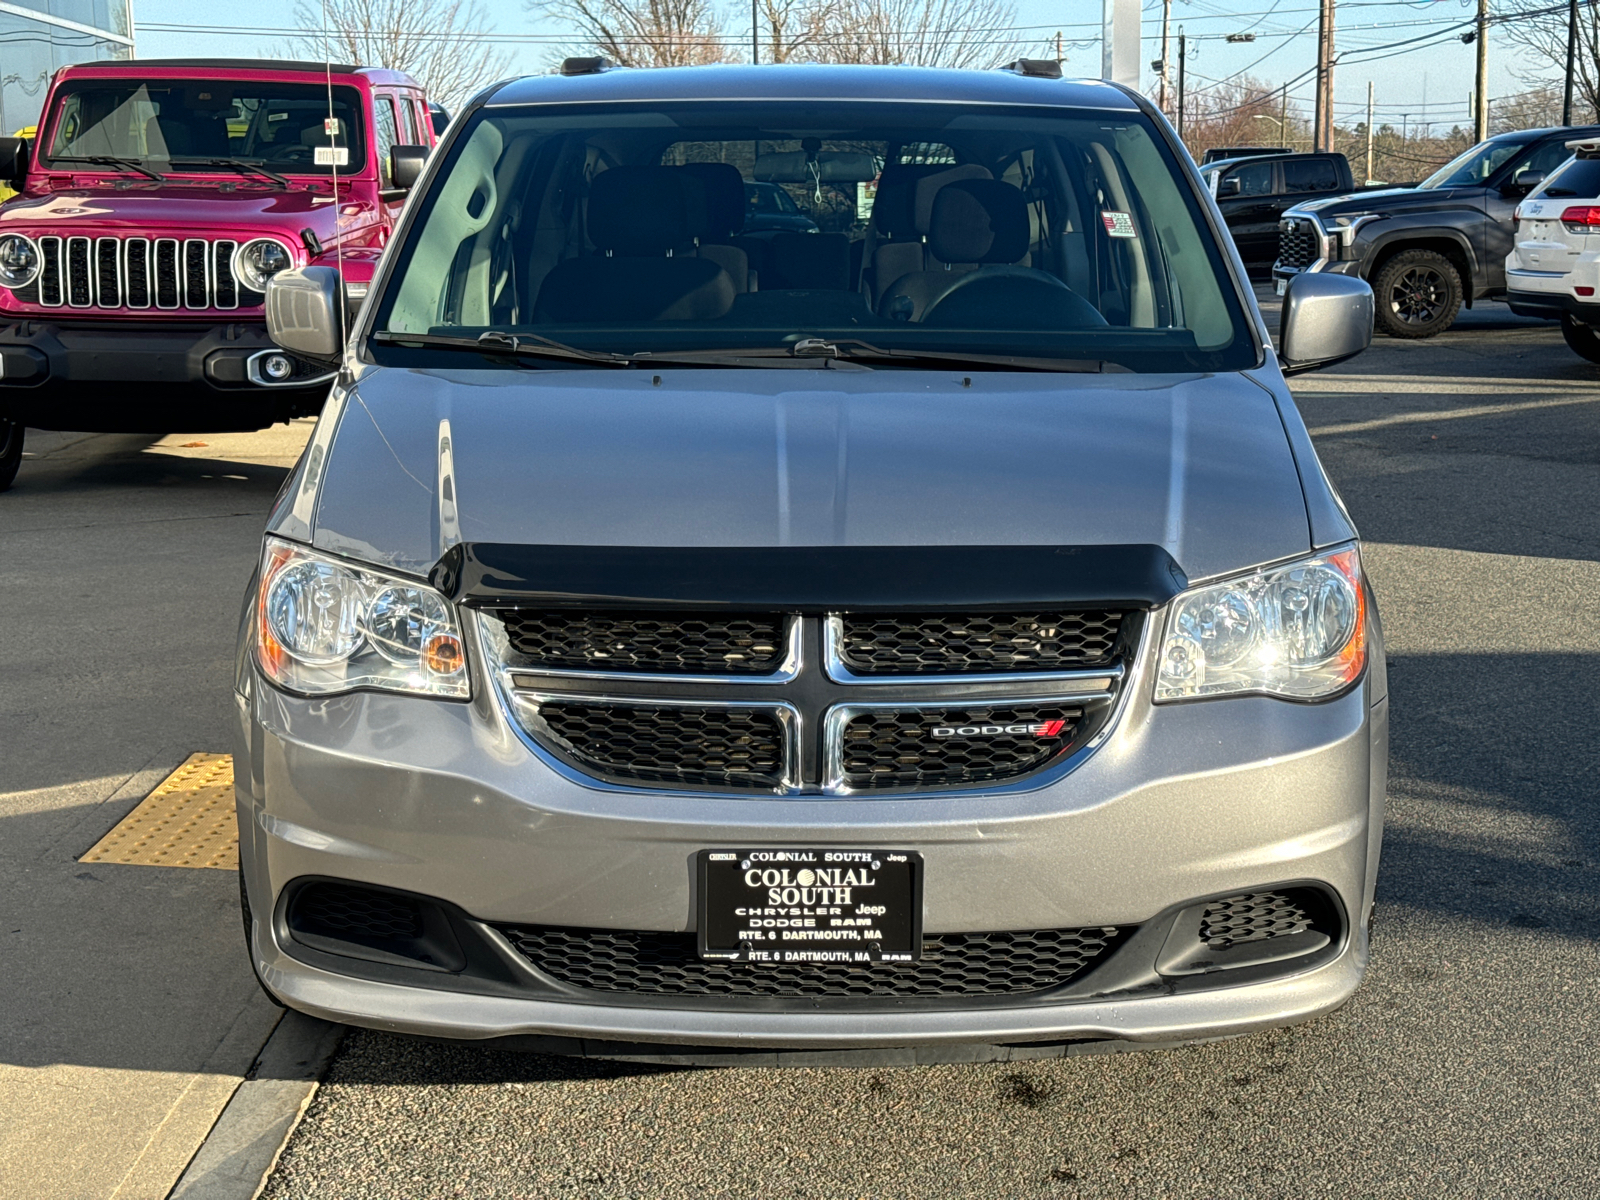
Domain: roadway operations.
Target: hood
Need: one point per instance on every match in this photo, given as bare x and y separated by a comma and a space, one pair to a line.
421, 460
1392, 200
176, 206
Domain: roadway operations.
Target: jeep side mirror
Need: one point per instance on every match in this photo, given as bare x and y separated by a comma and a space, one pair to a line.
13, 161
405, 165
305, 312
1326, 319
1228, 187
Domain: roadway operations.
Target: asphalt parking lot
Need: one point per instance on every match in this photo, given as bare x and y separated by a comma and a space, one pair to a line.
1467, 1065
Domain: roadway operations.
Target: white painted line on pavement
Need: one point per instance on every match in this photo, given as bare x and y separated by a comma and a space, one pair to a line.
1448, 414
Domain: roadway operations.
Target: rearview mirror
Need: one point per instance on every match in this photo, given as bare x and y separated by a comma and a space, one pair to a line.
13, 161
1326, 319
832, 166
405, 165
305, 312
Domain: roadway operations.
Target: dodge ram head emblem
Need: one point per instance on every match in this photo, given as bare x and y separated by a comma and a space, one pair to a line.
1044, 729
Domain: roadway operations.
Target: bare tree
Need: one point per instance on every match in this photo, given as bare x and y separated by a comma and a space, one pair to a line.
444, 44
1543, 34
921, 33
644, 33
1534, 109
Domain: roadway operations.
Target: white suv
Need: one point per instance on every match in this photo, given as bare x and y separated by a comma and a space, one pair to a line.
1553, 269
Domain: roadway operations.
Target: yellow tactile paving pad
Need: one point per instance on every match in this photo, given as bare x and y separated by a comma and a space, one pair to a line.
187, 821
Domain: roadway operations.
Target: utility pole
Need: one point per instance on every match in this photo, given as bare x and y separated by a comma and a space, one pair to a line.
1369, 132
1183, 54
1480, 109
1060, 58
1572, 46
1283, 119
1166, 66
1322, 134
755, 32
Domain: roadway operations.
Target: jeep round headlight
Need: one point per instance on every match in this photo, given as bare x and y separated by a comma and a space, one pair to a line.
256, 262
20, 261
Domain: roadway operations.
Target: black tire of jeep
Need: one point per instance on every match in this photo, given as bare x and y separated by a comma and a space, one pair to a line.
1583, 339
1418, 294
249, 950
10, 452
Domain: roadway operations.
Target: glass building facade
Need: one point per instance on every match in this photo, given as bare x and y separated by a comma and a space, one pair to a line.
37, 36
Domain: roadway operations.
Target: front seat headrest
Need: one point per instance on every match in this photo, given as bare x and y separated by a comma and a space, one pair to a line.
639, 211
929, 186
724, 198
979, 221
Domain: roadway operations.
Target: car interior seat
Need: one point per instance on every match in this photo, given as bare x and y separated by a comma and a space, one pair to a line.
641, 220
908, 213
816, 261
183, 135
978, 233
720, 217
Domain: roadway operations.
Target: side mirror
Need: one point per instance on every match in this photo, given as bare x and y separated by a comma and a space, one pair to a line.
13, 161
1524, 182
405, 165
440, 119
305, 312
1228, 187
1326, 319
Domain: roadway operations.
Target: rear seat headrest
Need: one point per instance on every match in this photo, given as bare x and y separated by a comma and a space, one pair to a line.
724, 198
929, 187
979, 221
639, 211
894, 208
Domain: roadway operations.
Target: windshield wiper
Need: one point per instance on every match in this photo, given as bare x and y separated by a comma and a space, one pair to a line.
110, 160
857, 353
237, 164
495, 342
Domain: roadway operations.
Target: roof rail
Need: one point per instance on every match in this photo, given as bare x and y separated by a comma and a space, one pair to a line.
1041, 68
586, 66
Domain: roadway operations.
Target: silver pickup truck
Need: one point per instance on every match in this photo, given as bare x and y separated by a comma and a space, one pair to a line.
933, 637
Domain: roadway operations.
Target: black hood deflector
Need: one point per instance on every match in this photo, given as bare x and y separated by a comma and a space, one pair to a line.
809, 579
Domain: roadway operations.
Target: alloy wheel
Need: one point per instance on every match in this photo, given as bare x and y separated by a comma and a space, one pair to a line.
1419, 295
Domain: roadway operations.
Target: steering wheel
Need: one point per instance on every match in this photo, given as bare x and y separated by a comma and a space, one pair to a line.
292, 154
1010, 298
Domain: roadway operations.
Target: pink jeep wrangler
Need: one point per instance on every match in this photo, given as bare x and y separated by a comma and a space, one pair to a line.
155, 203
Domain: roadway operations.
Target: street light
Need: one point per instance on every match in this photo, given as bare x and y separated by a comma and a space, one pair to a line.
1283, 128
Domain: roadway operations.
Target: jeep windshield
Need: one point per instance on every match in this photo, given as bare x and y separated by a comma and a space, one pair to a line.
177, 126
943, 230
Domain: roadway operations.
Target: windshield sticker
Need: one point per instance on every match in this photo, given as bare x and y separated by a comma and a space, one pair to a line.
1118, 224
332, 156
330, 126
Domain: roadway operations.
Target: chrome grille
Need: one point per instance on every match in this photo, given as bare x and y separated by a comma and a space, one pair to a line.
138, 272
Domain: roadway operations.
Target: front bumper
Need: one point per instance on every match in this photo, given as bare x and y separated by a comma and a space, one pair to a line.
444, 800
50, 369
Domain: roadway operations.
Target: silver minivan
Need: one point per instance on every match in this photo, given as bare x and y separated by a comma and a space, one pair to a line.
928, 637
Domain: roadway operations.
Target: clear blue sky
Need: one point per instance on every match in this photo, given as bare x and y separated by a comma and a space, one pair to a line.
1285, 44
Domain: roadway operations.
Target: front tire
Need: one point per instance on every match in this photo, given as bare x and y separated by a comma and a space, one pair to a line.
1418, 294
1583, 339
11, 433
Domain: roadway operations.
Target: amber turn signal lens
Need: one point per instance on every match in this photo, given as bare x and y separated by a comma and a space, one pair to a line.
442, 654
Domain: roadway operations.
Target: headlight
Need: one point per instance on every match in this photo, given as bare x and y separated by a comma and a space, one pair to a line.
256, 262
325, 626
20, 261
1298, 630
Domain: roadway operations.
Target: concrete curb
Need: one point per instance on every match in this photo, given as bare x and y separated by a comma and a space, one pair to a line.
243, 1146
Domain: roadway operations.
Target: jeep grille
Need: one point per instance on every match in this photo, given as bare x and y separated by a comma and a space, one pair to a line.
119, 274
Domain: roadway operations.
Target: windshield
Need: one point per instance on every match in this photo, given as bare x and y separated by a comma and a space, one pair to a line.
179, 125
1473, 167
953, 230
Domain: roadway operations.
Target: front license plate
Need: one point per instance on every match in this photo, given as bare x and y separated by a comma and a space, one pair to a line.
798, 906
1283, 286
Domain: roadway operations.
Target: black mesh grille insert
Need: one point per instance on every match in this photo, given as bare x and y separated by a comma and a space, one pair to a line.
1252, 917
681, 643
108, 285
167, 274
954, 643
335, 910
934, 747
225, 292
1296, 246
137, 258
80, 288
682, 744
952, 964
